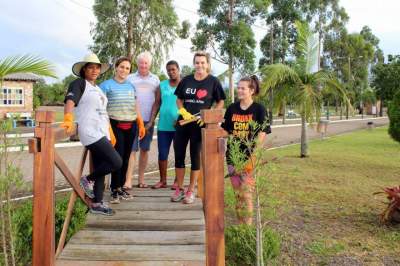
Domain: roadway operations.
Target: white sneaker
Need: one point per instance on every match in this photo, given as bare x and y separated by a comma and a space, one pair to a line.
189, 197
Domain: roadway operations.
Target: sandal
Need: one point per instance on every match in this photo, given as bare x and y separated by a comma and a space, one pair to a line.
126, 188
142, 185
159, 185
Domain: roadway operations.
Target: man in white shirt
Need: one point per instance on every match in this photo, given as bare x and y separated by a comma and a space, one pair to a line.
146, 85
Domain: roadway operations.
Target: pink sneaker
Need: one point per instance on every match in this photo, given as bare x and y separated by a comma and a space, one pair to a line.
174, 186
189, 197
179, 195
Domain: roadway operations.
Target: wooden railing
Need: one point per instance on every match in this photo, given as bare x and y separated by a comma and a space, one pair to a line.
45, 157
210, 187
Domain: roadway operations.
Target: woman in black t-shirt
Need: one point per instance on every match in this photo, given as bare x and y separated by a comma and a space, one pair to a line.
239, 123
194, 92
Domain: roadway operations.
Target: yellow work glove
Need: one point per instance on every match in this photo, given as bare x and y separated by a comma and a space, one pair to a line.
140, 124
113, 140
68, 123
185, 114
200, 122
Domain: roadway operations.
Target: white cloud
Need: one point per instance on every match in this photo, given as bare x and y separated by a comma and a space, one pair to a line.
381, 16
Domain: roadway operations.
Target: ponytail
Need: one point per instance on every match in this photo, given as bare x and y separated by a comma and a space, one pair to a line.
254, 83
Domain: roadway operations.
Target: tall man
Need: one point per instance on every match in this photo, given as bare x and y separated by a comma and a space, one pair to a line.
146, 84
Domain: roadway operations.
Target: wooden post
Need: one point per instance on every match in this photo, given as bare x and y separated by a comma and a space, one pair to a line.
200, 181
43, 246
213, 167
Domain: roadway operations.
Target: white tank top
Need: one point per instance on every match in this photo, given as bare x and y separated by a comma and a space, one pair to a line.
91, 115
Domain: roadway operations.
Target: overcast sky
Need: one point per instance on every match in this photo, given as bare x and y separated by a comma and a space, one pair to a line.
59, 30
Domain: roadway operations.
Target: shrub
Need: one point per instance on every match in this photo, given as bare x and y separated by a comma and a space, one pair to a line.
394, 117
22, 221
241, 245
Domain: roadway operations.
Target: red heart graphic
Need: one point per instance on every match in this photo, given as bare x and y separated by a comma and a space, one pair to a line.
201, 93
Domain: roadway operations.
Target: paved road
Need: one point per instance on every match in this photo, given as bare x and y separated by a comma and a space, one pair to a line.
281, 135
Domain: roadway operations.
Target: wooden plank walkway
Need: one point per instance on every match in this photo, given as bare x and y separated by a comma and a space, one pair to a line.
147, 231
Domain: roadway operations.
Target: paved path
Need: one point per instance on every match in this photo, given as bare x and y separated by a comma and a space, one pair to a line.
281, 135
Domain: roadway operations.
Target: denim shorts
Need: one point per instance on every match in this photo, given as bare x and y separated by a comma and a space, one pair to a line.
164, 141
145, 142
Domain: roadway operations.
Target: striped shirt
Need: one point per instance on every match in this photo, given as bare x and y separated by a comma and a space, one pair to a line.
121, 100
145, 88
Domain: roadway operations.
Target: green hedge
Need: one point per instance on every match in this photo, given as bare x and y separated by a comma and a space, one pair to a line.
240, 242
22, 222
394, 117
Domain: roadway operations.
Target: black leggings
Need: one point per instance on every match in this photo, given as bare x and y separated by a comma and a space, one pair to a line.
123, 146
105, 160
183, 134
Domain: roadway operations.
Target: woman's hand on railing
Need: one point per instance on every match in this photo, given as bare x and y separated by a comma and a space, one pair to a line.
68, 123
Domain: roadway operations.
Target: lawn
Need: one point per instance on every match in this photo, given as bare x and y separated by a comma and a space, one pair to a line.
323, 206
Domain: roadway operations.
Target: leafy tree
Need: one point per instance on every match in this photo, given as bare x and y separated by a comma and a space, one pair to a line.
186, 70
386, 79
279, 42
51, 94
394, 116
225, 28
128, 27
369, 37
328, 17
308, 88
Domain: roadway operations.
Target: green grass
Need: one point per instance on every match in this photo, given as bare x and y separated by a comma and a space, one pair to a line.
323, 206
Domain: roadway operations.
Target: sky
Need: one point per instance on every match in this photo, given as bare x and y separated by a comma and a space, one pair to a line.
59, 30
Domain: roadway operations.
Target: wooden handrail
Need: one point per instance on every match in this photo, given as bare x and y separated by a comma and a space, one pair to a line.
213, 152
71, 204
46, 133
211, 185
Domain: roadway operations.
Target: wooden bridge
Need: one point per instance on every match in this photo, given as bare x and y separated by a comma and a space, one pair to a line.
148, 230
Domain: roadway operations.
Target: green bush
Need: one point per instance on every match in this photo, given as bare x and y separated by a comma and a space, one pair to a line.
394, 117
241, 245
22, 221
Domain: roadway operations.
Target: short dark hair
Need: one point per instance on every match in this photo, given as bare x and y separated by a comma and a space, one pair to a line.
254, 83
122, 59
172, 62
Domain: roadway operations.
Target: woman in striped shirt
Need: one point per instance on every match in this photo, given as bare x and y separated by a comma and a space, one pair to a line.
125, 120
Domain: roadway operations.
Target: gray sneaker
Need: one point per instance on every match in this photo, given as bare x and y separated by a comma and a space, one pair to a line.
114, 197
124, 195
178, 196
101, 208
87, 186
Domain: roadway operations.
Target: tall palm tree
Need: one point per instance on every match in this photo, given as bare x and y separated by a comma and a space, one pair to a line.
25, 64
299, 80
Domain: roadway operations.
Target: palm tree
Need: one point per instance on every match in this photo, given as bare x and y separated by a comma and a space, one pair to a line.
25, 64
308, 87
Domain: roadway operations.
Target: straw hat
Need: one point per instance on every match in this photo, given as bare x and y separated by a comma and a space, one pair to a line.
90, 58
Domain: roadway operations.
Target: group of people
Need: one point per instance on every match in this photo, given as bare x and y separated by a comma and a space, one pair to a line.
116, 119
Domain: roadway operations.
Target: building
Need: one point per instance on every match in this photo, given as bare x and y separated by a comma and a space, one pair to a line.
16, 94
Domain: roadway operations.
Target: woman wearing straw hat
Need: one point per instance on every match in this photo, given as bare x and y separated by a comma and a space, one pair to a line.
89, 103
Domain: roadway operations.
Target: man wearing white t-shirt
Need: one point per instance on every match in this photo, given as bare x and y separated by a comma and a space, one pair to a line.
146, 85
